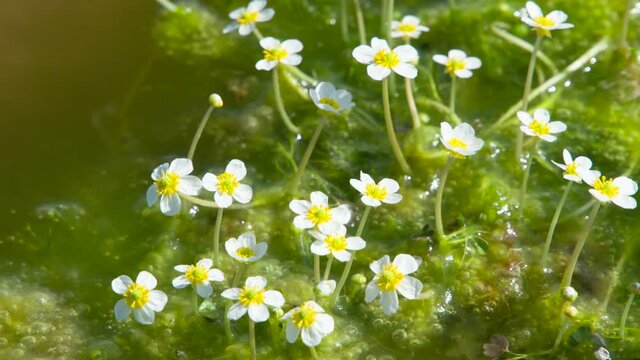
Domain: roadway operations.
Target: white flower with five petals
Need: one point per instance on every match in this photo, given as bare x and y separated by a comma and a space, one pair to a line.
276, 52
245, 19
457, 63
381, 60
574, 169
139, 297
310, 321
461, 140
408, 28
620, 190
317, 214
245, 248
227, 186
386, 191
252, 298
391, 278
327, 98
199, 276
540, 125
543, 24
336, 244
169, 181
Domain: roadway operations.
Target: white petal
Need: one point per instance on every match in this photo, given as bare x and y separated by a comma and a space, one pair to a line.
557, 16
237, 13
557, 127
258, 312
120, 284
457, 54
159, 170
180, 282
533, 10
625, 202
406, 263
379, 44
598, 195
259, 250
324, 323
189, 185
157, 300
317, 235
292, 332
257, 5
342, 256
542, 115
406, 53
273, 298
147, 280
548, 138
626, 185
243, 193
170, 205
369, 201
319, 248
524, 118
266, 15
301, 222
237, 169
152, 194
236, 311
256, 282
441, 59
215, 275
390, 185
326, 90
266, 65
341, 214
377, 72
389, 301
311, 336
393, 198
355, 243
292, 46
319, 198
527, 131
299, 206
204, 290
181, 268
231, 294
121, 310
406, 70
222, 200
583, 162
463, 74
566, 156
210, 182
326, 287
357, 184
410, 287
363, 54
181, 166
205, 262
229, 28
269, 43
144, 315
292, 59
376, 266
473, 63
246, 29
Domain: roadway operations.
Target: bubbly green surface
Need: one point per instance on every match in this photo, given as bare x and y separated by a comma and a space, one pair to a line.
75, 215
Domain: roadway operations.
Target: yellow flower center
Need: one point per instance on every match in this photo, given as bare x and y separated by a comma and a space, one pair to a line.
196, 274
539, 128
389, 278
328, 101
571, 169
454, 65
136, 296
336, 243
544, 21
407, 28
227, 183
245, 252
605, 187
251, 296
457, 143
275, 54
375, 192
168, 183
319, 214
304, 317
248, 17
386, 58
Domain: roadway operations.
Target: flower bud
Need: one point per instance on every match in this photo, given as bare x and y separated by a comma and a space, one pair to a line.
215, 100
277, 312
359, 279
571, 311
569, 294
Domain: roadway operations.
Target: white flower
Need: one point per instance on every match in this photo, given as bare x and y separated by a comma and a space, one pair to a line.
139, 297
457, 63
252, 298
326, 287
408, 28
619, 190
227, 187
539, 125
460, 141
310, 320
276, 52
574, 168
198, 276
327, 98
245, 19
245, 248
392, 278
381, 59
318, 214
336, 244
543, 25
386, 191
169, 181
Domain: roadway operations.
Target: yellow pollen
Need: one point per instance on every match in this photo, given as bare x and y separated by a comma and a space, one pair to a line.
227, 183
457, 143
336, 243
319, 214
248, 17
275, 54
605, 187
328, 101
304, 317
386, 58
454, 65
544, 21
196, 274
245, 252
571, 169
251, 296
375, 192
389, 278
136, 296
539, 128
168, 183
407, 28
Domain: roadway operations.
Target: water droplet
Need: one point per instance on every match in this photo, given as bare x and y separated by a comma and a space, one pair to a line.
567, 83
193, 211
593, 60
332, 21
298, 137
587, 69
552, 89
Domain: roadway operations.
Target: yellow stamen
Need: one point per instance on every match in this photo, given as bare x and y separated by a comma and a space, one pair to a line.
196, 274
375, 192
328, 101
407, 28
386, 58
227, 183
606, 187
248, 17
336, 243
168, 183
251, 296
457, 143
136, 296
454, 65
571, 169
245, 252
305, 317
319, 214
275, 54
389, 278
539, 128
544, 21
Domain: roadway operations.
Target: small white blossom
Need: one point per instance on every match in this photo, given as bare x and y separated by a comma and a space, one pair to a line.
386, 191
543, 24
574, 168
169, 181
245, 19
252, 298
408, 28
381, 60
336, 243
392, 278
139, 297
317, 213
227, 186
327, 98
198, 276
460, 141
276, 52
539, 125
245, 248
326, 287
310, 320
620, 190
457, 63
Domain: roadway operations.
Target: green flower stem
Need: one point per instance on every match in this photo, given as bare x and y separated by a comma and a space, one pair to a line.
252, 338
258, 34
443, 109
227, 322
568, 274
241, 270
307, 153
196, 137
344, 21
525, 183
195, 300
327, 269
554, 222
395, 147
613, 282
452, 95
527, 90
314, 353
625, 314
625, 23
387, 25
347, 267
293, 70
216, 238
524, 45
280, 104
563, 328
415, 118
316, 268
438, 210
362, 31
167, 5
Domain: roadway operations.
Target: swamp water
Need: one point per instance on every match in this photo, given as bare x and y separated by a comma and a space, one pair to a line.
81, 141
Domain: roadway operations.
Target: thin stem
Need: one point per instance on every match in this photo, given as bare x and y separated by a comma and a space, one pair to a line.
314, 354
347, 267
395, 147
316, 268
452, 95
257, 34
196, 137
554, 222
527, 90
293, 70
167, 5
524, 45
195, 301
568, 274
387, 28
563, 328
415, 118
307, 153
525, 183
227, 322
280, 103
216, 237
625, 23
327, 269
444, 109
344, 21
438, 211
613, 282
252, 338
362, 31
625, 314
